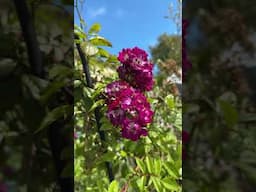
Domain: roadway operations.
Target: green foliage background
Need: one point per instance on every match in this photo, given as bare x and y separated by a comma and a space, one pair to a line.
218, 109
30, 104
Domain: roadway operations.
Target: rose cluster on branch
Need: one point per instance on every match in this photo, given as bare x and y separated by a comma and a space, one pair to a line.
136, 69
127, 106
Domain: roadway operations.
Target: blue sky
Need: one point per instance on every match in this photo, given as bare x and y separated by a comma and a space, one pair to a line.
129, 23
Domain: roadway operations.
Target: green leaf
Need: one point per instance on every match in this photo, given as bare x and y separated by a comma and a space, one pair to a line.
158, 166
88, 102
229, 113
7, 65
89, 49
100, 41
113, 187
105, 124
170, 184
54, 115
152, 101
31, 85
171, 170
95, 28
141, 183
96, 104
106, 127
52, 88
169, 100
149, 164
157, 183
112, 59
103, 53
100, 185
60, 71
109, 156
98, 90
133, 183
80, 34
141, 165
123, 153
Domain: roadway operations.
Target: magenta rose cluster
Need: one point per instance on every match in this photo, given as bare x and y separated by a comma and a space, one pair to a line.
136, 69
127, 106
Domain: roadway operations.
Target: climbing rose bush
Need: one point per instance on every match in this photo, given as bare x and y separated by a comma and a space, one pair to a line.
136, 69
128, 108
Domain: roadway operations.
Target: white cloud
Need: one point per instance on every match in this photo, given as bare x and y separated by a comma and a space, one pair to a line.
97, 12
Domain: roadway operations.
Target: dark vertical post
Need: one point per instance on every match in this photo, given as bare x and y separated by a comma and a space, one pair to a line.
97, 110
29, 34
